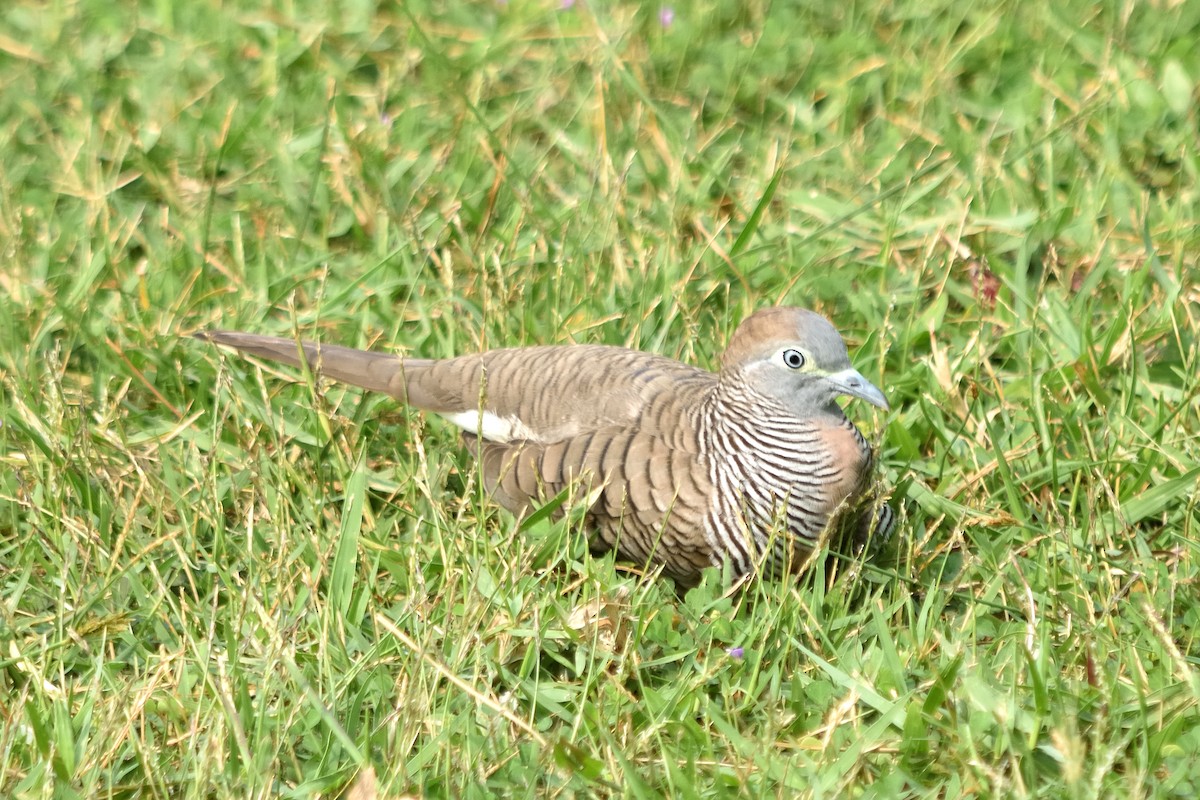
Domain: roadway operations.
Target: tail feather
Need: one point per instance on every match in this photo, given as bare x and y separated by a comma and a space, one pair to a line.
379, 372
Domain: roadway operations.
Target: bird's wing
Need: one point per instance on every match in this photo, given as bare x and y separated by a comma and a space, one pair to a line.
551, 394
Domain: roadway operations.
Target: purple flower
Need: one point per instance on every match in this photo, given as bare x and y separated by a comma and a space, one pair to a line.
666, 15
735, 652
566, 5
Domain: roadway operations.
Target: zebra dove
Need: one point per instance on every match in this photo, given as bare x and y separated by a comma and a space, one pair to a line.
691, 468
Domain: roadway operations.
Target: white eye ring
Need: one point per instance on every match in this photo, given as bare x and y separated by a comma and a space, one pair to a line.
793, 359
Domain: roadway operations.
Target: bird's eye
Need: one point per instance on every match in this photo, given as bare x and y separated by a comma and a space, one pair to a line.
793, 358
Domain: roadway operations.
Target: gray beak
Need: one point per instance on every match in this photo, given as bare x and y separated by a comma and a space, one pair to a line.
850, 382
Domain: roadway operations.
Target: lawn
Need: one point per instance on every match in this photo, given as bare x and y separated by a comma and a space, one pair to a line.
220, 578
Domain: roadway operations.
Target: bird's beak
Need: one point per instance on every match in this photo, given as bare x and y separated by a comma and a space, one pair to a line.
851, 382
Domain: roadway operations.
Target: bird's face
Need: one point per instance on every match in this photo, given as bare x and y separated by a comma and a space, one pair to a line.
797, 358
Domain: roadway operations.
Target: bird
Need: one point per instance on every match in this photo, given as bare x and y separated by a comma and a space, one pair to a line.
749, 467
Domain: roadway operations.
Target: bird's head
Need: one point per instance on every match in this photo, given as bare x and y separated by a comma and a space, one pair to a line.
797, 358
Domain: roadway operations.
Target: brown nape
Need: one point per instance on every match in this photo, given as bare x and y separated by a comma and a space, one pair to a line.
690, 470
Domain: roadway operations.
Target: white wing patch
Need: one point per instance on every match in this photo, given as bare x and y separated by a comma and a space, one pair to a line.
491, 426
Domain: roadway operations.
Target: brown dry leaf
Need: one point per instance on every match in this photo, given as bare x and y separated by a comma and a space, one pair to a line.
603, 618
940, 364
990, 520
363, 787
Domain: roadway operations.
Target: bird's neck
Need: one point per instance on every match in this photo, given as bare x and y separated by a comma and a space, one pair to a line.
737, 399
732, 404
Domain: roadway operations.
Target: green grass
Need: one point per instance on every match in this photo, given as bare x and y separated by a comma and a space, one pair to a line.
219, 580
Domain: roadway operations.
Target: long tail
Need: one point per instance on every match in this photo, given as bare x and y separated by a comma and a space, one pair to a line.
379, 372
